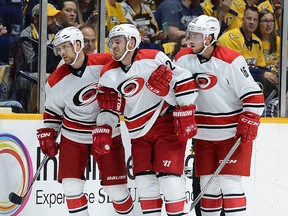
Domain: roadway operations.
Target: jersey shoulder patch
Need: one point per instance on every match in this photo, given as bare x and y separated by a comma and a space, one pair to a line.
225, 54
110, 65
98, 58
146, 54
183, 52
58, 75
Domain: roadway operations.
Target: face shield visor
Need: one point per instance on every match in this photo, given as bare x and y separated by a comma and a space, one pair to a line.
194, 37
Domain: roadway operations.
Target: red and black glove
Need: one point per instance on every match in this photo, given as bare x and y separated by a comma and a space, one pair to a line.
109, 99
247, 127
184, 122
47, 141
102, 139
159, 80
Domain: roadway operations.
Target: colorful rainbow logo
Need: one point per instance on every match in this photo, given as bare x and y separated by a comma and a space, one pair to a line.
17, 156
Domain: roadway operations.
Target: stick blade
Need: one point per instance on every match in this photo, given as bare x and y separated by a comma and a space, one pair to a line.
14, 198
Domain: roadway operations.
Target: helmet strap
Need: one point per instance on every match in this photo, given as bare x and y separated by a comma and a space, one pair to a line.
77, 54
126, 51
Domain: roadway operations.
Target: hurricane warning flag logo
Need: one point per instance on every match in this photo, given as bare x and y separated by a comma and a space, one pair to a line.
16, 173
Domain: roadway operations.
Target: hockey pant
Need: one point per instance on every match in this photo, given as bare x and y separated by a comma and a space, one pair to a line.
173, 189
224, 192
121, 199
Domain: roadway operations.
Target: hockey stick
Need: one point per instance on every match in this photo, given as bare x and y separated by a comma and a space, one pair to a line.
16, 199
218, 170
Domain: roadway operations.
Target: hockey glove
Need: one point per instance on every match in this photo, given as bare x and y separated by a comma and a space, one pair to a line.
247, 127
184, 122
102, 139
159, 81
47, 141
109, 99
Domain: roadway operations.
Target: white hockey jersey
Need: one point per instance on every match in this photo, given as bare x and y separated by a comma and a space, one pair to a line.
226, 89
142, 107
70, 103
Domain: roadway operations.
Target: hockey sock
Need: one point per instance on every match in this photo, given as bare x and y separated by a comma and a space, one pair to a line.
124, 207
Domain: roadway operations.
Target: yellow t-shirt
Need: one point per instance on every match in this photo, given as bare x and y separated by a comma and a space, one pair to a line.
114, 16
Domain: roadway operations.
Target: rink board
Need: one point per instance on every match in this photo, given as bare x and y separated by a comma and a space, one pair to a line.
20, 157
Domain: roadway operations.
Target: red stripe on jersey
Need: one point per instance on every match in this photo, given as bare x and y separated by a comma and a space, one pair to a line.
234, 202
98, 59
226, 54
77, 125
254, 99
176, 207
47, 116
125, 206
186, 86
216, 120
58, 75
151, 204
139, 121
211, 203
76, 203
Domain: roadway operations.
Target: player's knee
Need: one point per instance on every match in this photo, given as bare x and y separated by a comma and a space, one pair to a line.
73, 186
173, 186
214, 187
117, 192
147, 185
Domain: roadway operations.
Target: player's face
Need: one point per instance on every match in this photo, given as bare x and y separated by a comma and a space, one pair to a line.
66, 51
196, 41
117, 45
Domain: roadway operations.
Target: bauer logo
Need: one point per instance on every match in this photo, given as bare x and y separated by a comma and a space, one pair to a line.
14, 156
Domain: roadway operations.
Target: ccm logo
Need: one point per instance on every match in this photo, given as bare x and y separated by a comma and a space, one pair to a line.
229, 161
119, 102
43, 135
250, 122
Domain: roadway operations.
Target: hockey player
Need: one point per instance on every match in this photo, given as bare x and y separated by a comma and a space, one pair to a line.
229, 106
71, 109
158, 146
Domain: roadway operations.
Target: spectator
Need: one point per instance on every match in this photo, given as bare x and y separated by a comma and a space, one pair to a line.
27, 61
88, 13
68, 16
3, 30
89, 39
271, 49
181, 43
178, 14
114, 15
142, 17
244, 41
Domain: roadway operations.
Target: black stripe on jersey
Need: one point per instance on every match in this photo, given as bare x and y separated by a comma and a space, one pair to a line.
183, 81
250, 93
185, 93
110, 111
52, 112
220, 114
254, 105
217, 127
144, 112
78, 121
132, 131
77, 130
53, 121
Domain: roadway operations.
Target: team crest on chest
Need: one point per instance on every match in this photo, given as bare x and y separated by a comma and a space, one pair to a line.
206, 81
86, 95
131, 87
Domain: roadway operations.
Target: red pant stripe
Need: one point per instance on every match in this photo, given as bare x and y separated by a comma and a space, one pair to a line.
125, 206
175, 207
211, 202
76, 203
151, 205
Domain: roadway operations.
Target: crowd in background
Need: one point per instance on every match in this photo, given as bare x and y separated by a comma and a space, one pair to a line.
251, 27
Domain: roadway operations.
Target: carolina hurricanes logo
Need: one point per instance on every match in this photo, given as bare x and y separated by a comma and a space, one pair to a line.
206, 81
131, 87
86, 95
